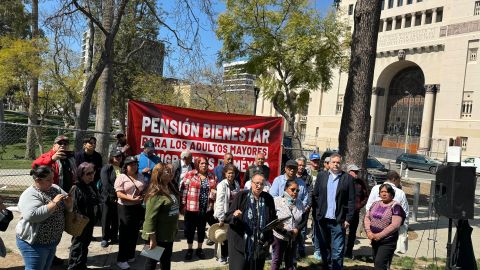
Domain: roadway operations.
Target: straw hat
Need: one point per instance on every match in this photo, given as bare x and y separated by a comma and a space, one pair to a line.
218, 234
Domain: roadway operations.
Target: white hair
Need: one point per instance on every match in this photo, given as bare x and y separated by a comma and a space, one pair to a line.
185, 154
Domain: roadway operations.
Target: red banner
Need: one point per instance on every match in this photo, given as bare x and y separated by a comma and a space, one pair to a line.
205, 133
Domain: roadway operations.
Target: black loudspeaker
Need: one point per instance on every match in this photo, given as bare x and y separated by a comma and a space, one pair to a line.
455, 192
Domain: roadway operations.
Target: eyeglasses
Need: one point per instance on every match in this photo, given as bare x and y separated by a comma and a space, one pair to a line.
258, 184
62, 143
89, 173
294, 190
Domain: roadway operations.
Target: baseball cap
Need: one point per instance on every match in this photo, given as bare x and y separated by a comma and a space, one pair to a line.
149, 144
115, 153
130, 159
353, 167
314, 156
291, 163
60, 138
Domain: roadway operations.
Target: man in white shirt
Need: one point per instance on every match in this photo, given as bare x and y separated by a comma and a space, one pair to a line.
182, 166
393, 179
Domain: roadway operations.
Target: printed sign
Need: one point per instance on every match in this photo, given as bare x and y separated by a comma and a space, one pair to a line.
205, 133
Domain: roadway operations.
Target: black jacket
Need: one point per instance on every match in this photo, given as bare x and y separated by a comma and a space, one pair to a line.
345, 197
108, 176
86, 199
95, 158
236, 230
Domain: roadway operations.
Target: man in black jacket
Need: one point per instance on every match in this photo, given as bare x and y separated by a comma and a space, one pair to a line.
334, 204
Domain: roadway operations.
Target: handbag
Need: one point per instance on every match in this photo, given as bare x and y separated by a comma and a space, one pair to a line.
5, 217
75, 222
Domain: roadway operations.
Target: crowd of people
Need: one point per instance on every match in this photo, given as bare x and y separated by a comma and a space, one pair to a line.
138, 195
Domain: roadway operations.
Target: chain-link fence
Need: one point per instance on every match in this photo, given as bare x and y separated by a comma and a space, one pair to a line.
16, 159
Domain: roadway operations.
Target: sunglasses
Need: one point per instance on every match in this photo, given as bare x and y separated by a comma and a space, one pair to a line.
92, 142
294, 190
62, 143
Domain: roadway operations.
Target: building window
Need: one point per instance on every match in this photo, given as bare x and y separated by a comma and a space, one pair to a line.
428, 17
463, 143
339, 104
409, 2
476, 10
418, 1
418, 19
439, 16
398, 23
317, 129
467, 108
408, 21
350, 9
472, 54
399, 3
383, 4
389, 25
390, 3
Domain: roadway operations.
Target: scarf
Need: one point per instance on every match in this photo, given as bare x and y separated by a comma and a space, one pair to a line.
254, 221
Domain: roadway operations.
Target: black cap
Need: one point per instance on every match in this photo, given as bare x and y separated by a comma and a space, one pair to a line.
115, 153
130, 159
149, 144
119, 135
291, 164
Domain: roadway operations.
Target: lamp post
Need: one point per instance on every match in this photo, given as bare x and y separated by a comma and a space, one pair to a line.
256, 91
408, 120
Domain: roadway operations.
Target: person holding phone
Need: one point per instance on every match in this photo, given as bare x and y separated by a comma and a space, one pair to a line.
61, 161
129, 187
39, 230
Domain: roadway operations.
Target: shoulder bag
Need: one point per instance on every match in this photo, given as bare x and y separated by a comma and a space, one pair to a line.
74, 221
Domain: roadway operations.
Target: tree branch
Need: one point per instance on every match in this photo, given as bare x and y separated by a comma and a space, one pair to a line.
152, 9
91, 17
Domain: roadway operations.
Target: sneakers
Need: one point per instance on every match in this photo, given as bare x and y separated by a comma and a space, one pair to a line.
210, 242
104, 243
189, 254
200, 254
317, 256
223, 260
123, 265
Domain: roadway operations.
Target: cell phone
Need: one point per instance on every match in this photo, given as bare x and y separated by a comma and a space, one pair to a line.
68, 153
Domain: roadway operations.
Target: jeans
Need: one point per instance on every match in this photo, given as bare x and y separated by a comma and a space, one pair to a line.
333, 244
283, 251
37, 256
165, 260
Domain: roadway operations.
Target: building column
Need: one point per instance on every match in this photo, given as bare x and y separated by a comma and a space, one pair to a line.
434, 15
385, 22
427, 116
376, 91
424, 17
394, 23
404, 19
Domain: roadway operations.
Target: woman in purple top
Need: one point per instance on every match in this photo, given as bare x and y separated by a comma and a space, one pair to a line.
381, 224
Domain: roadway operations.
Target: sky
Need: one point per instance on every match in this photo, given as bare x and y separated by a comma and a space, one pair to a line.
210, 45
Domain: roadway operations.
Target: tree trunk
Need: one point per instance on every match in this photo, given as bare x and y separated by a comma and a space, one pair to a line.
33, 95
355, 125
104, 97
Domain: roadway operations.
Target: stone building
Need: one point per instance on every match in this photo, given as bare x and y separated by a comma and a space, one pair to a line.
426, 87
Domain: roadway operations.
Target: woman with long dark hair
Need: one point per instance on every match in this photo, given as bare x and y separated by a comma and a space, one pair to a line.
161, 217
85, 201
198, 197
129, 187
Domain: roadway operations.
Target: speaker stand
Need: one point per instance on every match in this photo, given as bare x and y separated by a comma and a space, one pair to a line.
460, 253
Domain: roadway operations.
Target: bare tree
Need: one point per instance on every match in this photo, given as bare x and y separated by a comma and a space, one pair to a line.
355, 125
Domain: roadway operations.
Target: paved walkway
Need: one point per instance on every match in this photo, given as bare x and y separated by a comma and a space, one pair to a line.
430, 238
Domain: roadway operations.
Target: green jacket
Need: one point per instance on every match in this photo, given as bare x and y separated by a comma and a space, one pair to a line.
161, 218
